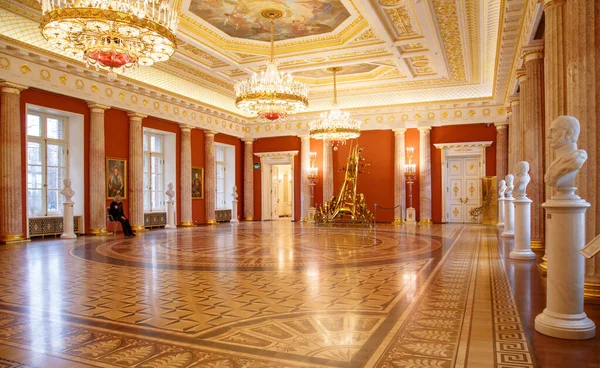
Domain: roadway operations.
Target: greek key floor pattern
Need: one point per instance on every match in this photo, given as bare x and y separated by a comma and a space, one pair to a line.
263, 295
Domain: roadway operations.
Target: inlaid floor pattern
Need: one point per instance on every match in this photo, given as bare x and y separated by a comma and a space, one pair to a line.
262, 295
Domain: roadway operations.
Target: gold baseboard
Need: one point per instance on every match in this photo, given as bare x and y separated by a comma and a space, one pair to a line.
211, 222
543, 267
10, 238
249, 218
398, 221
100, 232
304, 220
138, 228
187, 224
591, 292
425, 222
537, 246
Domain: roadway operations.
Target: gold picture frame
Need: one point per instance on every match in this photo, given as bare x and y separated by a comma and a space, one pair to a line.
116, 177
197, 182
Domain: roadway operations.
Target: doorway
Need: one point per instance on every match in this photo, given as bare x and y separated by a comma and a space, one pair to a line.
277, 193
463, 166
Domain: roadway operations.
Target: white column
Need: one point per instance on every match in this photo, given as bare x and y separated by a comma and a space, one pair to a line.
399, 180
327, 172
210, 177
248, 179
304, 171
424, 175
185, 182
136, 172
514, 131
97, 170
11, 204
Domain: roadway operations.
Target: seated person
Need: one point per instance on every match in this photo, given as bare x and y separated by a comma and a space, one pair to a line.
116, 212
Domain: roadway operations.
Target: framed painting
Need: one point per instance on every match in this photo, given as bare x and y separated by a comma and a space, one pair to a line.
116, 177
197, 182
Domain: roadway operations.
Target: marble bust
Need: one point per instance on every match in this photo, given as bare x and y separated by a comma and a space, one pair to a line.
563, 135
67, 191
170, 192
501, 188
509, 186
522, 178
234, 194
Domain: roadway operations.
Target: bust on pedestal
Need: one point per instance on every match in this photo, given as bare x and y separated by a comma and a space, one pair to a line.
563, 316
170, 208
501, 190
234, 209
68, 192
522, 221
509, 209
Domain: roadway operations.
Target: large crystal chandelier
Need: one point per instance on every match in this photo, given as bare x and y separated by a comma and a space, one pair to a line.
335, 125
272, 95
111, 34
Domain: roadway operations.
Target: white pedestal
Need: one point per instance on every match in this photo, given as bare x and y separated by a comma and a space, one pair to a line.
68, 232
522, 230
311, 214
234, 215
563, 316
411, 215
501, 213
170, 216
509, 218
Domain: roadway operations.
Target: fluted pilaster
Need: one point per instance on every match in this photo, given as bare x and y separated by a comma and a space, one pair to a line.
424, 175
399, 186
327, 171
248, 179
185, 185
305, 169
502, 150
136, 172
583, 102
97, 170
11, 204
514, 133
524, 98
210, 176
534, 136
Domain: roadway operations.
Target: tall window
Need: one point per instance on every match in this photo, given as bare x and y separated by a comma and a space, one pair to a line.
220, 165
154, 182
47, 150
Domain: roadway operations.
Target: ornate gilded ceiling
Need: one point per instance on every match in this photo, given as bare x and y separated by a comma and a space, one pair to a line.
394, 52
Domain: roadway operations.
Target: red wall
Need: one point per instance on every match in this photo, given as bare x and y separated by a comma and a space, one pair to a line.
274, 145
116, 142
197, 137
58, 102
239, 168
458, 133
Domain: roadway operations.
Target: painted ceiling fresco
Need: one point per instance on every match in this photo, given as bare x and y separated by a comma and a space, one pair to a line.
350, 69
242, 19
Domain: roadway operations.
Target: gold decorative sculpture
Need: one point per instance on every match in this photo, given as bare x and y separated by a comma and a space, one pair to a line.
347, 207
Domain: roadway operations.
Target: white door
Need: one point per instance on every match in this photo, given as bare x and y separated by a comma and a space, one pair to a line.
463, 190
275, 192
266, 192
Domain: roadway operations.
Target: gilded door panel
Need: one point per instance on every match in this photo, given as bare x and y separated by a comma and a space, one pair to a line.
472, 167
455, 167
456, 213
472, 190
456, 199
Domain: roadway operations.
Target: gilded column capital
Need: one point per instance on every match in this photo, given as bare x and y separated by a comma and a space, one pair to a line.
303, 137
500, 126
514, 100
9, 87
210, 133
185, 127
248, 140
399, 131
521, 75
96, 107
136, 116
533, 53
550, 3
424, 129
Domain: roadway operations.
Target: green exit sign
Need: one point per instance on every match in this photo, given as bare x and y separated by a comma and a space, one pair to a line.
257, 165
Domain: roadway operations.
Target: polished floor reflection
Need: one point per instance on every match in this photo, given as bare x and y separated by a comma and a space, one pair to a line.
275, 294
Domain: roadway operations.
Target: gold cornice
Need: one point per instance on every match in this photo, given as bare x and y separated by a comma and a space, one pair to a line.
447, 20
473, 39
498, 46
184, 71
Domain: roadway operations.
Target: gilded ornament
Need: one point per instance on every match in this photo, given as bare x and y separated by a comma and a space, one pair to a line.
145, 102
471, 188
367, 121
288, 126
267, 128
108, 92
237, 128
404, 117
63, 79
379, 119
4, 63
486, 112
257, 129
25, 69
209, 119
366, 36
471, 112
501, 111
184, 113
447, 17
298, 125
455, 212
79, 84
94, 88
455, 168
134, 99
166, 107
45, 75
444, 114
193, 115
457, 114
431, 116
402, 21
277, 126
121, 96
417, 116
176, 110
455, 189
392, 118
156, 105
224, 124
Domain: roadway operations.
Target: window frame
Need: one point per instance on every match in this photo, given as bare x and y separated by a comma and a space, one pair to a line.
44, 142
149, 154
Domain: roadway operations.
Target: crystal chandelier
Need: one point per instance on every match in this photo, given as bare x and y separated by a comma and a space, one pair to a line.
272, 95
335, 125
112, 35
